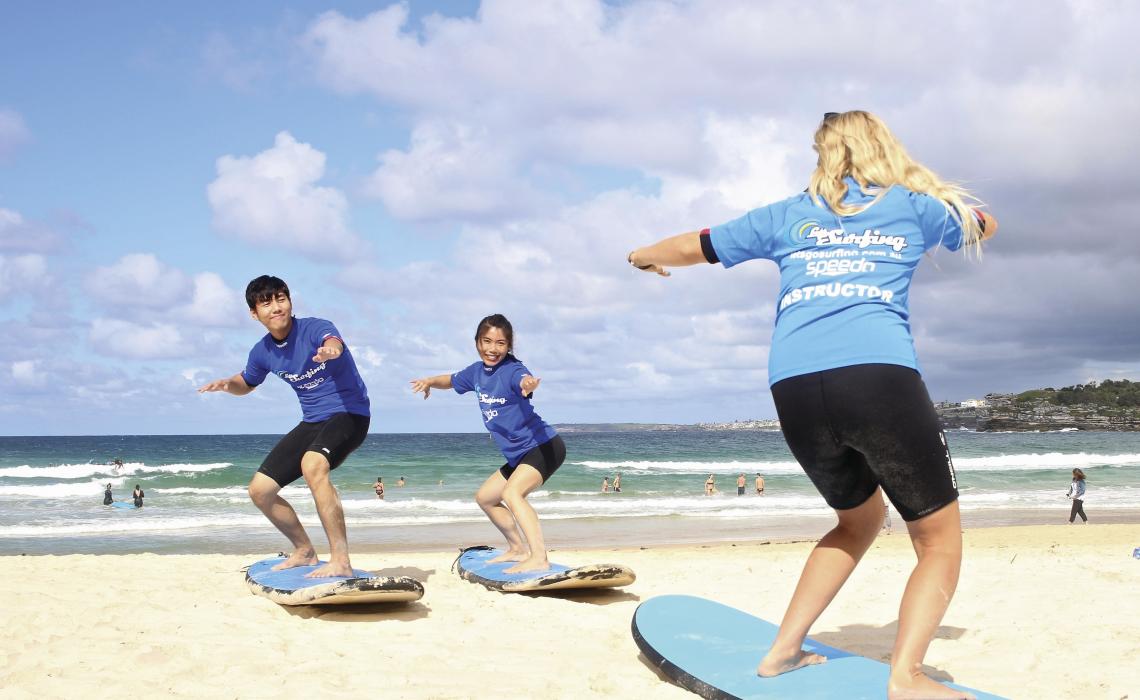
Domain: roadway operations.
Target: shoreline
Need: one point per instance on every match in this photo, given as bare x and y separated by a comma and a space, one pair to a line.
187, 625
560, 534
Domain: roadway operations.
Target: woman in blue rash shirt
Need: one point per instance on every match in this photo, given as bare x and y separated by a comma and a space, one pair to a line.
503, 387
843, 371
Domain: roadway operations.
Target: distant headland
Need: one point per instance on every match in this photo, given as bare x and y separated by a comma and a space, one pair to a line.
1109, 405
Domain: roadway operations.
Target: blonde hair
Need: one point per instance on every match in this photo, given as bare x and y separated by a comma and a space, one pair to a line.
859, 144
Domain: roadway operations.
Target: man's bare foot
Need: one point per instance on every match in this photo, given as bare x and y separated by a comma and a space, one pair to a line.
333, 568
300, 557
527, 565
776, 663
921, 687
510, 555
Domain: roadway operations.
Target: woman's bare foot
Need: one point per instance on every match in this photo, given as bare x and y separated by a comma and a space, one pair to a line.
527, 565
305, 556
510, 555
776, 663
333, 568
919, 687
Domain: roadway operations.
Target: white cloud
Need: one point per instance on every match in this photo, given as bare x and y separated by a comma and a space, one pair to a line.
139, 280
214, 303
13, 132
272, 199
27, 373
138, 341
22, 274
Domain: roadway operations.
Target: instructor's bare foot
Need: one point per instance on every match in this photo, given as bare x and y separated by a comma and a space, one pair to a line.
306, 556
776, 663
527, 565
510, 555
333, 568
920, 687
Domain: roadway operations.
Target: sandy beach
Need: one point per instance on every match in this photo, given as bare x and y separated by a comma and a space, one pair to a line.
1041, 611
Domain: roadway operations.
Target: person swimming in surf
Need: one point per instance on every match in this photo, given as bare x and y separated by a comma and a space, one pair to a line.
504, 387
843, 371
309, 355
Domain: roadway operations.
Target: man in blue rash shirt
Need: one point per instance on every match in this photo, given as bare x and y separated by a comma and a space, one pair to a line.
310, 356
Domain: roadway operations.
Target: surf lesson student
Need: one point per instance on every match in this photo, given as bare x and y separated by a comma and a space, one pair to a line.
137, 496
504, 387
107, 498
843, 370
310, 356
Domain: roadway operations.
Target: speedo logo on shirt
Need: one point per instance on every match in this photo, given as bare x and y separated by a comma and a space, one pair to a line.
837, 236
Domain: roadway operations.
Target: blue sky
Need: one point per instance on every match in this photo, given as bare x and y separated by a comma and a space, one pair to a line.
409, 168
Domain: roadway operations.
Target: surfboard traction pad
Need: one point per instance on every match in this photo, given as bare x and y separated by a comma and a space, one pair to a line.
561, 579
339, 591
710, 692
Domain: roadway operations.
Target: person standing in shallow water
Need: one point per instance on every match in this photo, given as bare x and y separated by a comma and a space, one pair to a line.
1077, 496
310, 356
108, 499
137, 496
843, 371
534, 451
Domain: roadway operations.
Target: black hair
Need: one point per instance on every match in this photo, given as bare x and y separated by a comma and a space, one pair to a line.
497, 321
265, 288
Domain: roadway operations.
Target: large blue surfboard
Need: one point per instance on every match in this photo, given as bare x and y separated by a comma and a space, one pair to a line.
713, 650
290, 587
473, 565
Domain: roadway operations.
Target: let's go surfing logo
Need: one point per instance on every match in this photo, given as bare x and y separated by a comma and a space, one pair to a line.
811, 230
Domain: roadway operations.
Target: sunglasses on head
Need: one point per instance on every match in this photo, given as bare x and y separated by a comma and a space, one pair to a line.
829, 115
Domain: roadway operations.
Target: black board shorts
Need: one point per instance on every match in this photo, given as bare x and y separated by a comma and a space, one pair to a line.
856, 428
334, 438
546, 458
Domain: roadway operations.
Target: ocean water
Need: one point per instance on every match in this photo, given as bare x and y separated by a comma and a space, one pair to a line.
51, 488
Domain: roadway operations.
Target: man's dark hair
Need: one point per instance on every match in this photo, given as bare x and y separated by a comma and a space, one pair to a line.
264, 288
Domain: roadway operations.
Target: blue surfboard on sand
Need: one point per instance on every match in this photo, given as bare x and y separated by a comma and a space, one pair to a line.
713, 650
473, 565
290, 587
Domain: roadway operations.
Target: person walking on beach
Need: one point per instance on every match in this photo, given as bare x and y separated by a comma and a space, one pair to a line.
710, 485
107, 498
378, 487
309, 355
534, 451
137, 496
759, 484
1077, 495
843, 371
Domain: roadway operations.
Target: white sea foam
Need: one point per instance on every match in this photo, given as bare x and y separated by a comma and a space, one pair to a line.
1049, 460
82, 471
682, 467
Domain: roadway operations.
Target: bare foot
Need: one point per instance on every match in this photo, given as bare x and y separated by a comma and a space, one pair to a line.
920, 687
776, 663
333, 568
510, 555
300, 557
527, 565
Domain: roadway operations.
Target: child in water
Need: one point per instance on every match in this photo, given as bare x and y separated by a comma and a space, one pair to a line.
533, 450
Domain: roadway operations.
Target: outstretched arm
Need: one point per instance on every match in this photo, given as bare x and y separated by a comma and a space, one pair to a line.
439, 381
528, 384
989, 224
331, 349
231, 385
675, 251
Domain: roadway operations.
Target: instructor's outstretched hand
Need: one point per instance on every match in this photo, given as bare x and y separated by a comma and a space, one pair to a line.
216, 385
